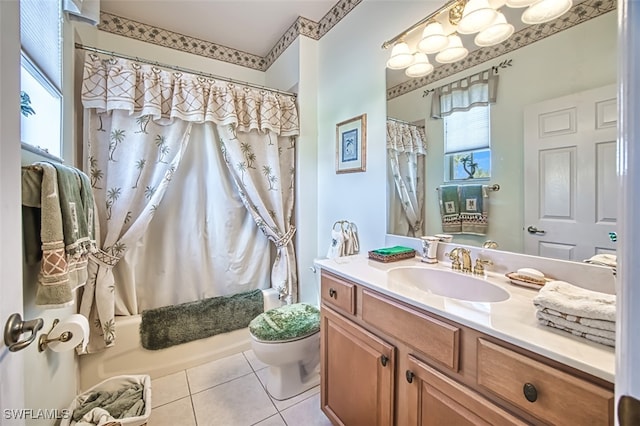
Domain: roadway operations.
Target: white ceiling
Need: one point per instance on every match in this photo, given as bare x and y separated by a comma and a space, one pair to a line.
253, 26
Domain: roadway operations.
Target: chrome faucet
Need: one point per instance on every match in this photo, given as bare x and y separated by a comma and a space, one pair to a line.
455, 256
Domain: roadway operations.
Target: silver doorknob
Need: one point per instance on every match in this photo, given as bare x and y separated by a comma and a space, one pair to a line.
533, 230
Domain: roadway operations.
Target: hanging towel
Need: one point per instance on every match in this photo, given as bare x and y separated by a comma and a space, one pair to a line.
58, 216
450, 209
474, 209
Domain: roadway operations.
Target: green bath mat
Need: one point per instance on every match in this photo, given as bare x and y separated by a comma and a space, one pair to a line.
173, 325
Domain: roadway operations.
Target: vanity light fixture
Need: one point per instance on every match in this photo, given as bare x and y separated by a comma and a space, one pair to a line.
441, 29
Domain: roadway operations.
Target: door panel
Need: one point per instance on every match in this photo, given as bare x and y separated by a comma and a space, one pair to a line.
570, 175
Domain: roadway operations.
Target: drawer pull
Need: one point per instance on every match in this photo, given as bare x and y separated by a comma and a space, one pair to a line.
384, 360
530, 392
333, 293
409, 376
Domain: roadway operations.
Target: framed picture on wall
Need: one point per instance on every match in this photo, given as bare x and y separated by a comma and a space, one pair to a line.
351, 145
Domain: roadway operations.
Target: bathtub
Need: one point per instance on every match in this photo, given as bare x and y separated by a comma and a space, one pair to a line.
128, 356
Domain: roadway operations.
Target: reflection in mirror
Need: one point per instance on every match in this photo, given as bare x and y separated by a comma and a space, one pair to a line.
538, 67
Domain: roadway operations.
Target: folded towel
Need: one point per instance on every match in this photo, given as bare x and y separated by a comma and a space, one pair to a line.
611, 335
589, 336
588, 322
474, 209
450, 209
569, 299
390, 251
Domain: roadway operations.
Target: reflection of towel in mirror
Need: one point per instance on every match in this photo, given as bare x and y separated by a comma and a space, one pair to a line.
474, 209
450, 209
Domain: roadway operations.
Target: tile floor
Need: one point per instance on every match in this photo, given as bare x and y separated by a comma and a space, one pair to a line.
229, 392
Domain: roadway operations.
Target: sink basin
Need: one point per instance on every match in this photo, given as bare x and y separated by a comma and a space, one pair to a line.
455, 285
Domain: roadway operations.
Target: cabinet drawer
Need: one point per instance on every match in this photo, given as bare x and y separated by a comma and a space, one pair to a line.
338, 293
433, 338
558, 397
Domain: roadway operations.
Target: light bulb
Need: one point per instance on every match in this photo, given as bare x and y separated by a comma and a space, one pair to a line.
400, 56
433, 38
477, 15
453, 52
545, 11
496, 33
420, 66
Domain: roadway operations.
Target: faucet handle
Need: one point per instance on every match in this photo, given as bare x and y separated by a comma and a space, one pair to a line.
455, 259
478, 269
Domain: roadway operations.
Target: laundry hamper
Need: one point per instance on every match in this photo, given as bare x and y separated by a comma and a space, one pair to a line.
111, 385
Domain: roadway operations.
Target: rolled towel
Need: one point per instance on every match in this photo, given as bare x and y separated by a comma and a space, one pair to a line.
566, 298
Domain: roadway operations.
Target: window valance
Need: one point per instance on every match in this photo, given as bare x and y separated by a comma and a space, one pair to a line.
144, 89
476, 90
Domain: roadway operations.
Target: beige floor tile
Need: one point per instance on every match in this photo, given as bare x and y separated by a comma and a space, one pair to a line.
306, 413
240, 402
169, 388
216, 372
256, 364
282, 405
179, 412
275, 420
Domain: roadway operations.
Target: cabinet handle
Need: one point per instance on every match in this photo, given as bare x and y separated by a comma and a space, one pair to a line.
384, 360
409, 376
333, 293
530, 392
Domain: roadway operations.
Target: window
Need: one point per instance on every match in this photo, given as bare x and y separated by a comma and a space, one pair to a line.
467, 146
41, 74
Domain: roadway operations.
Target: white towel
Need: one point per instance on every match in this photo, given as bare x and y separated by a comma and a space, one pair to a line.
592, 337
588, 322
611, 335
566, 298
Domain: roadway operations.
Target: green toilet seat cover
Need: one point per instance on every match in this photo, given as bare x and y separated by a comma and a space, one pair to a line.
287, 322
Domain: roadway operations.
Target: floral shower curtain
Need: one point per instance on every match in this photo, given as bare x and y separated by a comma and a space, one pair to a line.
406, 149
139, 122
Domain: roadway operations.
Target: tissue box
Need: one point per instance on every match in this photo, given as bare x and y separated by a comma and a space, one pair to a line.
113, 384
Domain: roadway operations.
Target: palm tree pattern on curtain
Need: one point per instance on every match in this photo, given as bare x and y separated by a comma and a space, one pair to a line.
405, 151
262, 165
131, 162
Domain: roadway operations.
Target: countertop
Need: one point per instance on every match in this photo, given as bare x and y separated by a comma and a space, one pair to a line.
512, 320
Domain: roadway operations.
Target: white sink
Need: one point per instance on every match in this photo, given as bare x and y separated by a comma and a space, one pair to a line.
455, 285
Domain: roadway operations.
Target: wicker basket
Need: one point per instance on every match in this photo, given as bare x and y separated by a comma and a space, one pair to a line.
392, 257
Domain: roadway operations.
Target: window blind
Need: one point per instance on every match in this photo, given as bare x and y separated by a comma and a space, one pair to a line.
467, 130
40, 36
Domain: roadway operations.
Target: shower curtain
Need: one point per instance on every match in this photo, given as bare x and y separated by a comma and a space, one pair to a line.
141, 121
406, 149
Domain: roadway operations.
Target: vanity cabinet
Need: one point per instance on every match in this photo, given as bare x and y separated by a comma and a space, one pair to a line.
387, 362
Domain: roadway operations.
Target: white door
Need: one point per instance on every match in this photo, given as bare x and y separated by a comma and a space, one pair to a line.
570, 157
11, 363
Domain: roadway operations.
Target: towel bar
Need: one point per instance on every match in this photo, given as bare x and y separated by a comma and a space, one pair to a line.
494, 187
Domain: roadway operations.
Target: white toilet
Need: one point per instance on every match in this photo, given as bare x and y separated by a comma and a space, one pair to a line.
288, 340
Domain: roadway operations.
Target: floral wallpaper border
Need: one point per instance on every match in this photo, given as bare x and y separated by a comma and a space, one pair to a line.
302, 26
579, 13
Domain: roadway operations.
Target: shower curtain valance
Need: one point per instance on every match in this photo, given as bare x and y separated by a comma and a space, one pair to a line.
405, 137
143, 89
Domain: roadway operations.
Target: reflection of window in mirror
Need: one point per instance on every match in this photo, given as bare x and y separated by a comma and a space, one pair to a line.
467, 144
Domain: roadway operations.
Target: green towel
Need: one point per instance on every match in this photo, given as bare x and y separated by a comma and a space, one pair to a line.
474, 209
390, 251
450, 209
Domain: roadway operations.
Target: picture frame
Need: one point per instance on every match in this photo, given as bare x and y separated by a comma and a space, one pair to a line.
351, 145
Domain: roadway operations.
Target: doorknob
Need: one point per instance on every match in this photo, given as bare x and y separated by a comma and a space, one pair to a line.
628, 411
533, 230
15, 327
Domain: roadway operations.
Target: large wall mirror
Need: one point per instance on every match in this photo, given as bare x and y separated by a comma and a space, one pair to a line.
548, 181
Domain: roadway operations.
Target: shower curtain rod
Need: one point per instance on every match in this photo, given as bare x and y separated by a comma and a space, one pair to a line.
404, 122
178, 68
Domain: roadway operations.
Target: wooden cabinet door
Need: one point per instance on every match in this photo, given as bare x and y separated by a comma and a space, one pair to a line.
357, 377
435, 399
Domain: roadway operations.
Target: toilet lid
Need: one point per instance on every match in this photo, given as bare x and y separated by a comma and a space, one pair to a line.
287, 322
